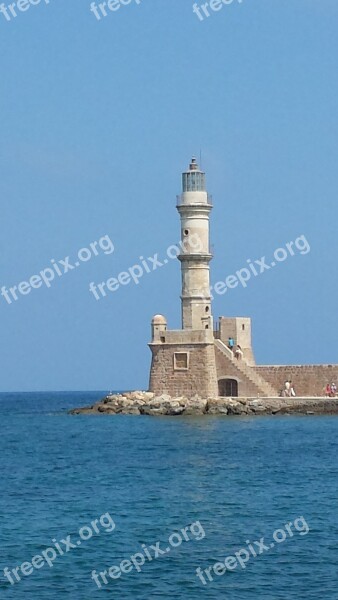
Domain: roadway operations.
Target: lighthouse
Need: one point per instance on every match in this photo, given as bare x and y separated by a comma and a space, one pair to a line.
194, 207
196, 360
183, 361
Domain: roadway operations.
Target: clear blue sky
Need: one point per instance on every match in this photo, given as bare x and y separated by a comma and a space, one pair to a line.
98, 119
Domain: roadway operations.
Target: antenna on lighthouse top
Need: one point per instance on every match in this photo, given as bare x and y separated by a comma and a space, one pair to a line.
201, 160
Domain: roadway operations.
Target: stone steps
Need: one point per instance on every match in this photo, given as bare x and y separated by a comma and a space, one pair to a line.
262, 386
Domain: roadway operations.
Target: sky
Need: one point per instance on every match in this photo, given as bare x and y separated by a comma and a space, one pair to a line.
98, 120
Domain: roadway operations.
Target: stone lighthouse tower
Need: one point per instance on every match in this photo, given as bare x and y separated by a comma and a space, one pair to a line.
183, 361
194, 209
196, 359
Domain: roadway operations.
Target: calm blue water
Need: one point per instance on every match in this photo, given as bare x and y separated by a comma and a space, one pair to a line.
241, 478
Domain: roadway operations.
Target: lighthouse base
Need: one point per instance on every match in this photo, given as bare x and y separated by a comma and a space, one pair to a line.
179, 368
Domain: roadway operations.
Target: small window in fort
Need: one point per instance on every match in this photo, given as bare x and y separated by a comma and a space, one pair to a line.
162, 339
243, 327
186, 232
207, 308
181, 361
207, 326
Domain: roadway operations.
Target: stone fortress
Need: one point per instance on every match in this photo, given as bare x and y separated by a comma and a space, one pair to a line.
196, 359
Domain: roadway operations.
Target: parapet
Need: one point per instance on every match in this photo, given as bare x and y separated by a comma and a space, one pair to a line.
182, 336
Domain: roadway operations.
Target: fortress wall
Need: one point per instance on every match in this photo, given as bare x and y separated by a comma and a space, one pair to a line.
199, 378
308, 380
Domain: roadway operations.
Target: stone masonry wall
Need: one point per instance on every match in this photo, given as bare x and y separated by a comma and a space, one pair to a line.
199, 379
308, 380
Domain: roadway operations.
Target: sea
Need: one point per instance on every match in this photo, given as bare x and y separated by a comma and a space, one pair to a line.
138, 507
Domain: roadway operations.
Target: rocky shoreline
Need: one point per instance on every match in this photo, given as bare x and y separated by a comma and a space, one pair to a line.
146, 403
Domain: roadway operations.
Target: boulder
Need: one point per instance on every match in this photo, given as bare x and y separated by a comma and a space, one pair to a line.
217, 406
112, 398
163, 405
195, 406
